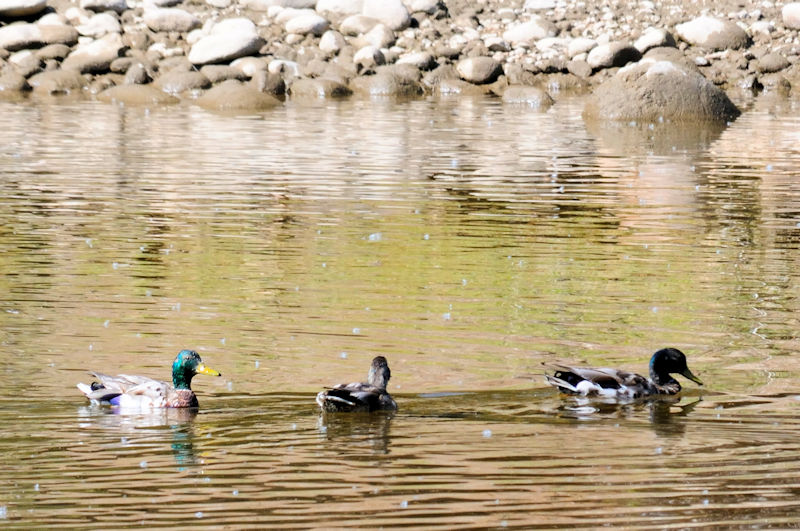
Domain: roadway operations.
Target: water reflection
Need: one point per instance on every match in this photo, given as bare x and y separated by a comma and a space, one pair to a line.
464, 240
352, 434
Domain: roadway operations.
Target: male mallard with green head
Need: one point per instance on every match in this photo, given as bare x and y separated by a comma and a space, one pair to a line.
140, 392
614, 383
369, 396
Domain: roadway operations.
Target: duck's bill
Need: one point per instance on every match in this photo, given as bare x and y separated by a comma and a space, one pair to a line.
688, 374
208, 371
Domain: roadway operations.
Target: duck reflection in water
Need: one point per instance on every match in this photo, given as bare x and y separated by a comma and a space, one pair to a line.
357, 433
148, 425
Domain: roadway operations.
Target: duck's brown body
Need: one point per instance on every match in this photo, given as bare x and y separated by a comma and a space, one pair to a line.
370, 396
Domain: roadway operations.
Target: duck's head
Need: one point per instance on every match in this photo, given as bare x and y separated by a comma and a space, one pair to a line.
185, 366
670, 361
379, 373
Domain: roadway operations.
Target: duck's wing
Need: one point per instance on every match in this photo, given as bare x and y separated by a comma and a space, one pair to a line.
355, 397
591, 381
106, 388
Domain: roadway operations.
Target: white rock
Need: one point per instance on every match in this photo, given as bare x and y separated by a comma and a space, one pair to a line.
791, 15
250, 66
20, 35
331, 42
282, 66
21, 8
284, 15
99, 6
714, 33
478, 69
357, 25
219, 4
380, 37
422, 6
535, 5
228, 39
99, 25
526, 33
340, 7
369, 56
762, 27
170, 19
653, 38
307, 23
422, 60
96, 56
392, 13
579, 46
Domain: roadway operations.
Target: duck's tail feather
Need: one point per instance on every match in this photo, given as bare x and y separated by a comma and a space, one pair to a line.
562, 385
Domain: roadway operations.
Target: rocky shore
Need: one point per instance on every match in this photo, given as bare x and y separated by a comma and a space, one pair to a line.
641, 60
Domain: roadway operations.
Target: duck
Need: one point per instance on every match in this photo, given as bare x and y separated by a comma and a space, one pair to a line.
369, 396
618, 384
143, 393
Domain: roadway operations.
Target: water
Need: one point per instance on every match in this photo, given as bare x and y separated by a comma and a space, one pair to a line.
466, 241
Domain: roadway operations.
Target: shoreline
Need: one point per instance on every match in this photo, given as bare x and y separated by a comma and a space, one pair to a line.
250, 54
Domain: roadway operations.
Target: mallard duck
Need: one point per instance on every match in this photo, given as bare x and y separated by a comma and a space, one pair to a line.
140, 392
614, 383
370, 396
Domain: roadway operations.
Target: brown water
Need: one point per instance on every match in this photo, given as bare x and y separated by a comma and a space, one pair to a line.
466, 241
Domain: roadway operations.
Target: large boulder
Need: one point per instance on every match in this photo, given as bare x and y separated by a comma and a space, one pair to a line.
713, 33
58, 82
479, 70
655, 91
228, 39
528, 96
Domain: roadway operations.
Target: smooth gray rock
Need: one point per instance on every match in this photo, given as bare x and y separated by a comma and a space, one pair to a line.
580, 45
232, 96
479, 70
12, 81
136, 95
229, 39
218, 73
58, 34
170, 19
53, 51
369, 57
178, 80
64, 81
319, 88
772, 62
421, 60
528, 96
652, 91
713, 33
611, 55
390, 82
99, 6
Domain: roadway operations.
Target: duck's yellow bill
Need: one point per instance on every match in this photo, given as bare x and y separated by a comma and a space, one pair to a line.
687, 373
208, 371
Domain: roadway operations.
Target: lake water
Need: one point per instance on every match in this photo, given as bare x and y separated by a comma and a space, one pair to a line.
468, 242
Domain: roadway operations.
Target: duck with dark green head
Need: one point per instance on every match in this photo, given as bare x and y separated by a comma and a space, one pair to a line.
140, 392
615, 383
